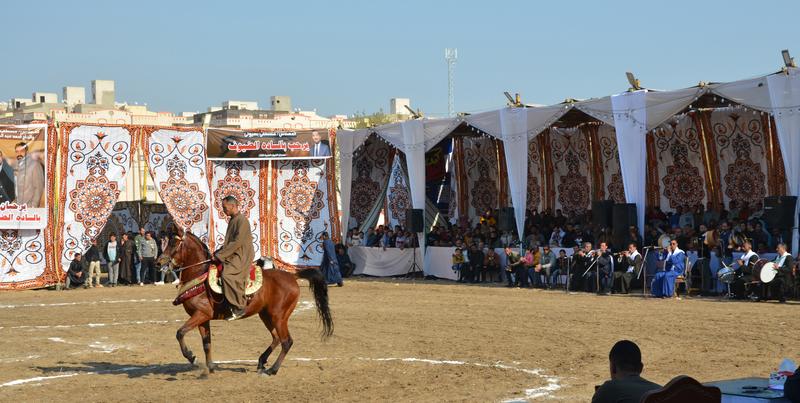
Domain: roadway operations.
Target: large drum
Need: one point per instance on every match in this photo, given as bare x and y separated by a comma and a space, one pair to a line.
663, 241
759, 266
768, 272
726, 275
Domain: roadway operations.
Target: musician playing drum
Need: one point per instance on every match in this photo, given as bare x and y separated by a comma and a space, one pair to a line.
743, 285
776, 288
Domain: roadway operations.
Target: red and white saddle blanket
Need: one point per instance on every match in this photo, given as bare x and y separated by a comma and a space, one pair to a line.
213, 278
253, 282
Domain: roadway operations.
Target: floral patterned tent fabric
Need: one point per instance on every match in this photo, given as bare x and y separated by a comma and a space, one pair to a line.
177, 163
372, 165
482, 182
536, 172
678, 152
571, 176
94, 164
398, 197
303, 207
741, 140
607, 159
246, 181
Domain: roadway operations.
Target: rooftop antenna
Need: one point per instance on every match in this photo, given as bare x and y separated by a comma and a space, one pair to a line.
633, 81
516, 100
450, 55
416, 114
788, 60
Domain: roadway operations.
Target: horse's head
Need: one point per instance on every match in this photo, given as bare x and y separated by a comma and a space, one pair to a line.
172, 254
184, 250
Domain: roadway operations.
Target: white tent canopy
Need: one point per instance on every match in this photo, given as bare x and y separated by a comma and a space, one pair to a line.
633, 114
516, 126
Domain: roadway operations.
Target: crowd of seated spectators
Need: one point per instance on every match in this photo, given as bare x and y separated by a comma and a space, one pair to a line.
382, 237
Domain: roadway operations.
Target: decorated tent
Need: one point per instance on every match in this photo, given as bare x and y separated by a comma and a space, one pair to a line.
677, 138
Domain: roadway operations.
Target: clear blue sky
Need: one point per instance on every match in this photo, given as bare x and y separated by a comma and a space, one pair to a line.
342, 57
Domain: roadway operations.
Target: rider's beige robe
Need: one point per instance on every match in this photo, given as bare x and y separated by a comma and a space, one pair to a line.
236, 255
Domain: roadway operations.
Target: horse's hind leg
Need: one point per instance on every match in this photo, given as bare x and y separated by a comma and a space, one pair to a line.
282, 329
190, 324
205, 334
262, 360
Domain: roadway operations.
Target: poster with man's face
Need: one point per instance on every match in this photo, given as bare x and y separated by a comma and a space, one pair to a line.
23, 153
228, 144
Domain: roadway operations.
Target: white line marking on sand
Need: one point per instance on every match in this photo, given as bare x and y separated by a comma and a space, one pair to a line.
20, 359
93, 325
121, 301
533, 393
301, 306
71, 374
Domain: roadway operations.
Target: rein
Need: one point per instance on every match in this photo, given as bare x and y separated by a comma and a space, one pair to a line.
180, 269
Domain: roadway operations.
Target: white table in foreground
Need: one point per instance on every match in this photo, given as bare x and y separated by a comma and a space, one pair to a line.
733, 392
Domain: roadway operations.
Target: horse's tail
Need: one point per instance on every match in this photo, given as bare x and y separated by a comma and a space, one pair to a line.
320, 289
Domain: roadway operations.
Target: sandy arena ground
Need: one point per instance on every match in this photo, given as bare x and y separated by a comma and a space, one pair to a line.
395, 340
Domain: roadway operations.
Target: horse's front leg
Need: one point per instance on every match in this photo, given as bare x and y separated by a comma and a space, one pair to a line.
194, 321
205, 334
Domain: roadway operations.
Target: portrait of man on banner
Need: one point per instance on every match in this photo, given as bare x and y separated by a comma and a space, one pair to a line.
23, 156
318, 147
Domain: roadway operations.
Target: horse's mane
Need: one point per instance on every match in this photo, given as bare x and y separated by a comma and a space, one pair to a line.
200, 242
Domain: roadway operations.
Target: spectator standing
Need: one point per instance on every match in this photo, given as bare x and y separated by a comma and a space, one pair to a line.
475, 256
112, 254
137, 242
147, 252
458, 264
126, 266
93, 258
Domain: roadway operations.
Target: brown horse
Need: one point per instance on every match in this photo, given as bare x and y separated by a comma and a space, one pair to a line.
273, 302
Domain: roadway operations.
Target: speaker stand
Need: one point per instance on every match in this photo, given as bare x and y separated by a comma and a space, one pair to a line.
414, 270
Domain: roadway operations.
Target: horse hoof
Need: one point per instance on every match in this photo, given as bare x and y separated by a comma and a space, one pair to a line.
212, 368
193, 361
268, 372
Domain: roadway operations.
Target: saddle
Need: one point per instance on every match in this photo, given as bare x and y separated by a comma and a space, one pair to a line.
213, 279
253, 281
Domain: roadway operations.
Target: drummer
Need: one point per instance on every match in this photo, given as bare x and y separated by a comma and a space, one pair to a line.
776, 288
743, 286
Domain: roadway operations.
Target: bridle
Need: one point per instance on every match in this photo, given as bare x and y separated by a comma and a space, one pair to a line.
173, 262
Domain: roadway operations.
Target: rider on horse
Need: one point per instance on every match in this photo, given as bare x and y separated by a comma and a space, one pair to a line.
236, 255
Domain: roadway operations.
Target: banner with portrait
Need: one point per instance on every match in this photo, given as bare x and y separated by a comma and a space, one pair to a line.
23, 175
229, 144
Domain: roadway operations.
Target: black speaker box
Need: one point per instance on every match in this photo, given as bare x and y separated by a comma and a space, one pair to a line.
779, 211
601, 212
506, 221
414, 220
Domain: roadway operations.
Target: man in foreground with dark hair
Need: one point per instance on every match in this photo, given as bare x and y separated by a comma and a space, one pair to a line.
626, 384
